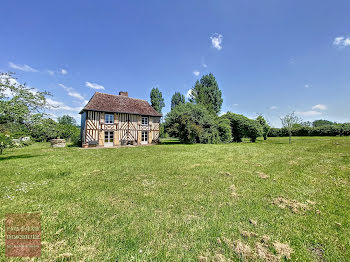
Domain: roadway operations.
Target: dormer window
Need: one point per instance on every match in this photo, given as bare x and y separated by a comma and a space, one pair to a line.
109, 118
144, 120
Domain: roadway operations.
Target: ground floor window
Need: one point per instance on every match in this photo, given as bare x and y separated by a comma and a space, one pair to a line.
109, 137
144, 136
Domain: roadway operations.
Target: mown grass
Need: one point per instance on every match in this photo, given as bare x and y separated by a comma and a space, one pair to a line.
175, 202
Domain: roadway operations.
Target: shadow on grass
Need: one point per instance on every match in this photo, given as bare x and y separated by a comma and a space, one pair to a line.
169, 141
15, 157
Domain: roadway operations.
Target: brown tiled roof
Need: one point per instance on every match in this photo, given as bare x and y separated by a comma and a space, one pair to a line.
119, 104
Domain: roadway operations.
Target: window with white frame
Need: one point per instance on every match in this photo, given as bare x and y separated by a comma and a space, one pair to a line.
144, 120
109, 119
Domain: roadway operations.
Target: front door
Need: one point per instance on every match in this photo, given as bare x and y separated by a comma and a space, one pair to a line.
144, 137
108, 138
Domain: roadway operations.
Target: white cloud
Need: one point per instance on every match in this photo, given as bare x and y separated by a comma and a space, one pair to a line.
11, 81
94, 86
307, 86
196, 73
25, 68
56, 105
71, 92
235, 104
63, 71
188, 94
273, 107
309, 113
341, 41
216, 41
320, 107
50, 72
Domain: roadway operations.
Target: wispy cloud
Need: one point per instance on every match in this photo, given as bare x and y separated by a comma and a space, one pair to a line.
203, 63
235, 105
216, 41
309, 113
50, 72
273, 107
341, 41
94, 86
307, 86
320, 107
25, 68
63, 71
71, 92
196, 73
57, 105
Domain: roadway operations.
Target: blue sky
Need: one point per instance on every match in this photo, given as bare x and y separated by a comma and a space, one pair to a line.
270, 57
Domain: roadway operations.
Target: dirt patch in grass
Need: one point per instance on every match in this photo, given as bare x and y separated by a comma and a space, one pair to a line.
233, 191
264, 253
264, 249
262, 175
242, 249
283, 250
253, 222
226, 173
318, 253
293, 205
248, 234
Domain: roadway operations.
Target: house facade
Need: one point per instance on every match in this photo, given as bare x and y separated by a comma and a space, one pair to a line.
114, 120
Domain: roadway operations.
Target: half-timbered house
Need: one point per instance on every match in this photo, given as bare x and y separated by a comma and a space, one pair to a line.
113, 120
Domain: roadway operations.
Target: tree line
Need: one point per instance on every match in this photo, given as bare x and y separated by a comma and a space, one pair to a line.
198, 121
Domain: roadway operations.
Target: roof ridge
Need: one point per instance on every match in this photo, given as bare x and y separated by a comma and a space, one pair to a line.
123, 96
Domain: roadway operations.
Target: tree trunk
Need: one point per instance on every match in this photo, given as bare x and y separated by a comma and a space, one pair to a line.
290, 138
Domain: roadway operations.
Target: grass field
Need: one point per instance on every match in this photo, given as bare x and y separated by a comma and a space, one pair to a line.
249, 201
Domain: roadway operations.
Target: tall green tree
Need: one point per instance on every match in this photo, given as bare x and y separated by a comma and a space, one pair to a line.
207, 93
67, 120
177, 99
157, 100
264, 125
322, 122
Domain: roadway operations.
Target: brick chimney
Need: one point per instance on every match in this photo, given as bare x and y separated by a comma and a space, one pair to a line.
122, 93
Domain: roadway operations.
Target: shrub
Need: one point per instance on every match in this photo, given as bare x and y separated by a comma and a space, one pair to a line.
345, 129
237, 125
323, 130
301, 131
192, 123
5, 142
44, 130
274, 132
252, 129
242, 126
224, 128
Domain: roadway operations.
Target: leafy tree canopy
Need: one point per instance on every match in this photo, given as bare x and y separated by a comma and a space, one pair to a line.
157, 100
207, 93
18, 103
322, 122
66, 120
264, 125
177, 99
192, 123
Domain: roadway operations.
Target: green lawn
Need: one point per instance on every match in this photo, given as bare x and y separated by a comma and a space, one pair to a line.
176, 202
